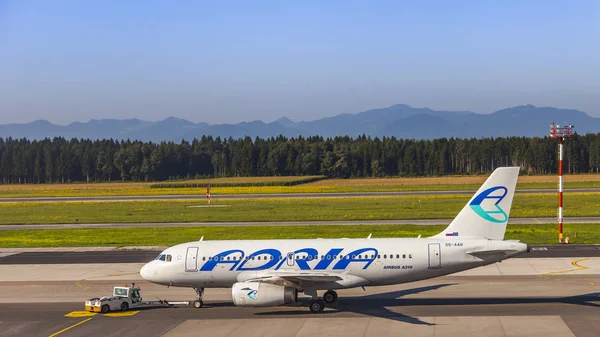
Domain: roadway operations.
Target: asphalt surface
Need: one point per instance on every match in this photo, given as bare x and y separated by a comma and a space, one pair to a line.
412, 307
423, 222
143, 256
280, 195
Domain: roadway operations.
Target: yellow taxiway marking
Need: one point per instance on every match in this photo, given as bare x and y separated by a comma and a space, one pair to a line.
122, 313
70, 327
80, 314
81, 285
574, 263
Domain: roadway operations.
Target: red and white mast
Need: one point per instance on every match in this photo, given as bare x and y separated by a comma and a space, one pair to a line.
560, 133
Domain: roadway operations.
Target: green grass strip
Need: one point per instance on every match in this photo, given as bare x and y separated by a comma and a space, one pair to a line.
301, 209
166, 236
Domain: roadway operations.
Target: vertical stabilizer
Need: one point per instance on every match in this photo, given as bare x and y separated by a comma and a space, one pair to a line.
486, 214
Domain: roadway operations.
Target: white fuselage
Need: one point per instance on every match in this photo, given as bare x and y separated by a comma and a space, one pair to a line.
362, 262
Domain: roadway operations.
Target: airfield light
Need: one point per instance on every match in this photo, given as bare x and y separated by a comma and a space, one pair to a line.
561, 133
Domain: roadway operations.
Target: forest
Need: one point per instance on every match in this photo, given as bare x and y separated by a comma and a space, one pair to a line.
61, 160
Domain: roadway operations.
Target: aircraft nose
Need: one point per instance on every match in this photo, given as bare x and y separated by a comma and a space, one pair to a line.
146, 272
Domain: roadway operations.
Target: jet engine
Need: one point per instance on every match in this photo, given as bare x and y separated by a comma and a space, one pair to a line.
260, 294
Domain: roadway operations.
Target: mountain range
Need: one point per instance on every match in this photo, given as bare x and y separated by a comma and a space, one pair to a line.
401, 121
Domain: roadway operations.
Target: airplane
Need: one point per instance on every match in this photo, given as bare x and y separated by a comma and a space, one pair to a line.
265, 273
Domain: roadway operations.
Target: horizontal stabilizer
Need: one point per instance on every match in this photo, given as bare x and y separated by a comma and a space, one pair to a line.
493, 254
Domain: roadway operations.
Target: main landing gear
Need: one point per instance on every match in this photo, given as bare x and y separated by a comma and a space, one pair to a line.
330, 297
317, 304
198, 302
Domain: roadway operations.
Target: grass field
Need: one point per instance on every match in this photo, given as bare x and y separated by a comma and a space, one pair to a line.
322, 186
307, 209
240, 182
454, 180
531, 234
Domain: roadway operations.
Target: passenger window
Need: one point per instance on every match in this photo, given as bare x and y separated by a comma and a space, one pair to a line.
328, 257
204, 258
410, 256
397, 256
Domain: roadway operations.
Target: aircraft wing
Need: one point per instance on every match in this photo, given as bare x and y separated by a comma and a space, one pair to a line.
299, 278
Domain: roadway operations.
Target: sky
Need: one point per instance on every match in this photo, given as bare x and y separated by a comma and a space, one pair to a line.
232, 61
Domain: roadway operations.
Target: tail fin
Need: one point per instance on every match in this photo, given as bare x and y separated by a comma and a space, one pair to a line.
486, 214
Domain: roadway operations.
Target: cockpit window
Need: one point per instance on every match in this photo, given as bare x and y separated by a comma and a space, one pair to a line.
168, 259
161, 257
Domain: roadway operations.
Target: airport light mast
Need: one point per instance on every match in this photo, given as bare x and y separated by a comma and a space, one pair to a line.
561, 133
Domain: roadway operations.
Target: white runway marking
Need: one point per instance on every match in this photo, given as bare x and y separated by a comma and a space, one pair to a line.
7, 254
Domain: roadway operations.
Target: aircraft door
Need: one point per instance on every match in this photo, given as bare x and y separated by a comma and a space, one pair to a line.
290, 259
435, 256
191, 259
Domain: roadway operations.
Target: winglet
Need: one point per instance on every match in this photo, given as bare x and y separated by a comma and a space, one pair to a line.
368, 237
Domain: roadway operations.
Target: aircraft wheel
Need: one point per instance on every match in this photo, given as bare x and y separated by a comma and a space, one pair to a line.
198, 304
317, 305
330, 297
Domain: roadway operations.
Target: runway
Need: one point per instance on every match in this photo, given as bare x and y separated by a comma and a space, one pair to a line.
279, 195
423, 222
541, 294
537, 294
449, 306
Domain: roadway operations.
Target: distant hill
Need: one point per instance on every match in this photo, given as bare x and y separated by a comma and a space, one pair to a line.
401, 121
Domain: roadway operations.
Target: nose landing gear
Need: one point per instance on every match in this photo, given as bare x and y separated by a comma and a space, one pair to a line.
198, 302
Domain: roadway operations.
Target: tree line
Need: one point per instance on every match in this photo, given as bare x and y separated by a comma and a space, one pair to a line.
61, 160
